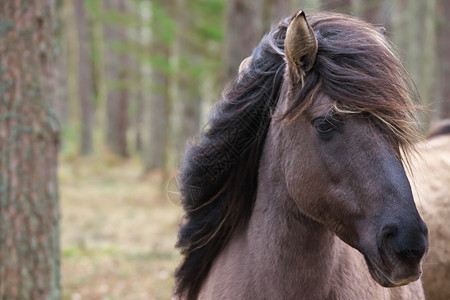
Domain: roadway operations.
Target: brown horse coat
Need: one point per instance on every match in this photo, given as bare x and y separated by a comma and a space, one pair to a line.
430, 178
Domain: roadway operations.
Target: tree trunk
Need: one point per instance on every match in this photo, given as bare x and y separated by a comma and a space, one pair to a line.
159, 105
428, 56
443, 53
111, 76
98, 39
122, 111
85, 83
117, 96
414, 34
368, 10
29, 213
307, 5
274, 11
187, 103
341, 6
156, 156
62, 107
243, 31
139, 120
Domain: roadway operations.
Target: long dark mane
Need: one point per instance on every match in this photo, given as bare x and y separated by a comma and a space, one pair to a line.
355, 66
218, 176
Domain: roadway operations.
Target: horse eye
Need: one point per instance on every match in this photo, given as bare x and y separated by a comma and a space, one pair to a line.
323, 125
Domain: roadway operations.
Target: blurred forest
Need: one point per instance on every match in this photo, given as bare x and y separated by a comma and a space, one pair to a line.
132, 82
138, 77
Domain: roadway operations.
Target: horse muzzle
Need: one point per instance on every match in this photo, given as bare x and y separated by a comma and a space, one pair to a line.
401, 252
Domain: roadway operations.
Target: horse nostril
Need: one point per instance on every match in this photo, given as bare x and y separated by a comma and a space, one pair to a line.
387, 235
408, 245
411, 253
411, 249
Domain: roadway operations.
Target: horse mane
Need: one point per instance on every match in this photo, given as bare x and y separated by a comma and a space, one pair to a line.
355, 66
218, 177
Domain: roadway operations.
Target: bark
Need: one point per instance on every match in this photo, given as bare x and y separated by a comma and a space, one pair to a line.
428, 55
159, 105
369, 10
399, 25
274, 11
156, 156
85, 83
122, 111
98, 38
243, 31
414, 32
443, 54
341, 6
307, 5
61, 71
117, 98
137, 104
139, 120
29, 213
111, 75
188, 101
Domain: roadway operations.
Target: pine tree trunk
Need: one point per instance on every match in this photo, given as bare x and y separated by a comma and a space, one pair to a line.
29, 213
307, 5
443, 52
275, 10
368, 10
243, 31
112, 95
428, 56
85, 83
158, 107
187, 103
157, 123
99, 75
61, 71
117, 99
122, 109
341, 6
139, 120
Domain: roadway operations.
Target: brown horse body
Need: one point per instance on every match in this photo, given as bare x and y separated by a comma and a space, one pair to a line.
430, 177
296, 190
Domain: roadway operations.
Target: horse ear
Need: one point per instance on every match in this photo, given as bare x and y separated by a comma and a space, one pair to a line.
300, 46
244, 64
381, 30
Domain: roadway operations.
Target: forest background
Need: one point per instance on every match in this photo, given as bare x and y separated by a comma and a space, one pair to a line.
134, 80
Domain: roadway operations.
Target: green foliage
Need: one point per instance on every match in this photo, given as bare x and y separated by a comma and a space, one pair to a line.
209, 23
163, 25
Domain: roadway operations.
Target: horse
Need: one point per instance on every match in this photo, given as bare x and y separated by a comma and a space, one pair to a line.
296, 187
440, 129
430, 178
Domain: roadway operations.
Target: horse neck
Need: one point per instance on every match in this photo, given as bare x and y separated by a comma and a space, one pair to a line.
294, 250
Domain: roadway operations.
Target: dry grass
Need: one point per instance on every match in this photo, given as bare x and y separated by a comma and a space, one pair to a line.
118, 231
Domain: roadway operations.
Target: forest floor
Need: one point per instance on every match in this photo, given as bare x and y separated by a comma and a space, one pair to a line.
118, 231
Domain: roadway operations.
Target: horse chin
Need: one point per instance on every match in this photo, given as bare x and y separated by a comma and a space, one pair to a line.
378, 276
382, 279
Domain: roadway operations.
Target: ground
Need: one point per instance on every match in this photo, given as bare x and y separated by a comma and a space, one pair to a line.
118, 231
